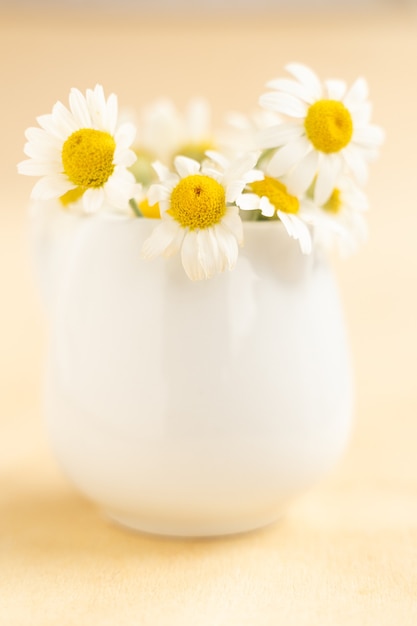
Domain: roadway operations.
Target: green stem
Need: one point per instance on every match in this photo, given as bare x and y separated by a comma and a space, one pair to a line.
135, 208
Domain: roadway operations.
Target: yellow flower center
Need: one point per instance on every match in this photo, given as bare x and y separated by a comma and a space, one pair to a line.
328, 125
87, 157
198, 201
334, 203
147, 210
277, 194
71, 196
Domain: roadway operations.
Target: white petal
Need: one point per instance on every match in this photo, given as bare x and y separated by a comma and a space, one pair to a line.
213, 173
297, 230
93, 199
51, 187
124, 157
356, 163
120, 188
228, 246
307, 77
125, 135
95, 97
190, 257
267, 208
96, 106
176, 242
220, 258
361, 113
161, 239
241, 167
233, 222
162, 171
301, 177
234, 189
287, 222
186, 166
43, 152
352, 195
63, 119
276, 136
357, 93
218, 158
112, 114
293, 88
37, 168
248, 201
309, 211
40, 136
157, 193
369, 136
252, 176
283, 103
304, 239
47, 122
328, 171
208, 252
79, 109
288, 156
336, 89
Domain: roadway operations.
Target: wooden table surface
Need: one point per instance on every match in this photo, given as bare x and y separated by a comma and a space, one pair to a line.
346, 552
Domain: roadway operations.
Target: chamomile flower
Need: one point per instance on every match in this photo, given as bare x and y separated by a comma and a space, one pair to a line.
82, 154
330, 132
199, 217
239, 134
166, 132
272, 197
342, 222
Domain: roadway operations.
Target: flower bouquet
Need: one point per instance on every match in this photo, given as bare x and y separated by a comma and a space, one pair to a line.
184, 405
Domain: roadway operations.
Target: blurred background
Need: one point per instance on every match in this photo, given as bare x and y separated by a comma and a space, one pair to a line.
222, 6
226, 51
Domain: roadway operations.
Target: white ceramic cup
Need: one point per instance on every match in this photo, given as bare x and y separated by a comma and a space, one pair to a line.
190, 408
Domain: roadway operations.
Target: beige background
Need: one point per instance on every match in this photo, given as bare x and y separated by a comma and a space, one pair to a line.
346, 553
